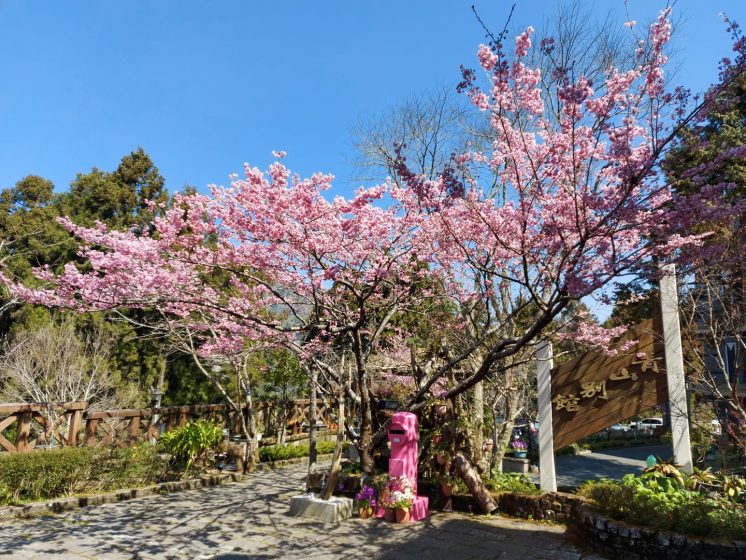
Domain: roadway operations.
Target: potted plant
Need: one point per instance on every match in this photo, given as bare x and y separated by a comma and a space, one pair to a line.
447, 480
397, 496
365, 501
519, 447
487, 447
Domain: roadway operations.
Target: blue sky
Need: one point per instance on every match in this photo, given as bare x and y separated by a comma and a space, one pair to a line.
203, 87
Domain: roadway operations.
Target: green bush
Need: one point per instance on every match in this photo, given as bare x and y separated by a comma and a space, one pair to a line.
272, 453
49, 474
139, 465
511, 482
192, 441
663, 502
46, 474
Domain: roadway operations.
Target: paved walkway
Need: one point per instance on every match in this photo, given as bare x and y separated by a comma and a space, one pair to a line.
249, 520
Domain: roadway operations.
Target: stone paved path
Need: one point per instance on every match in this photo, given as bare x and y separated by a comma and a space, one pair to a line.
249, 520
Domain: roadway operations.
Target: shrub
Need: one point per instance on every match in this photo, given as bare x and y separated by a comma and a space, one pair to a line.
655, 500
49, 474
139, 465
611, 497
39, 475
511, 482
192, 441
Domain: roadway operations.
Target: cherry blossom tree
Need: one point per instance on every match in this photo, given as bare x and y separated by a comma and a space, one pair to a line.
568, 198
267, 260
579, 199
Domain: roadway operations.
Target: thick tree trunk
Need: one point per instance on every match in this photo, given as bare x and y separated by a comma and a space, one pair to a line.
331, 481
474, 483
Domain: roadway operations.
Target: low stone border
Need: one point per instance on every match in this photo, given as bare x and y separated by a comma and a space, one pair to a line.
66, 504
632, 541
559, 507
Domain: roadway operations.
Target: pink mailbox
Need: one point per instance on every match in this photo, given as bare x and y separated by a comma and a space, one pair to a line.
404, 438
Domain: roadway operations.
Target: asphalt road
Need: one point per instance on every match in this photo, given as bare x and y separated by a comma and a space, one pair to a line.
572, 470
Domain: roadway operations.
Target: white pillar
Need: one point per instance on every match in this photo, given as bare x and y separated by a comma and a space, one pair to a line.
544, 363
682, 448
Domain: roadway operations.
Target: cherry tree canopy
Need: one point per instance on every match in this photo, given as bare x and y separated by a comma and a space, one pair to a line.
569, 198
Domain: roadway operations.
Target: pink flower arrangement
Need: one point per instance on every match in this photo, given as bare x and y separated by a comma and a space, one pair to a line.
396, 492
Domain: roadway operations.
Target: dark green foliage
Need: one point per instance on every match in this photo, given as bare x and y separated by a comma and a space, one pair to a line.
119, 198
185, 385
32, 238
702, 143
273, 453
49, 474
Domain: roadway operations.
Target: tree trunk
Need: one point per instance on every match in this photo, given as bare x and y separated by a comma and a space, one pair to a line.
366, 417
312, 424
474, 483
283, 421
504, 434
251, 454
331, 481
478, 427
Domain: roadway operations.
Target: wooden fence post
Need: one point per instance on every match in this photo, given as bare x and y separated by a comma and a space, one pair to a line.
90, 431
76, 420
24, 429
134, 429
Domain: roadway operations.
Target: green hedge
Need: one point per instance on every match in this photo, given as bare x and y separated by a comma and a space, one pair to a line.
683, 511
272, 453
49, 474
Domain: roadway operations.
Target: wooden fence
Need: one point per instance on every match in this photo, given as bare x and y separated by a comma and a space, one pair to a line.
24, 427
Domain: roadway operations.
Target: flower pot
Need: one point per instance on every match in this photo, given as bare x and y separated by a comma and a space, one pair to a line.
364, 513
520, 454
402, 515
390, 514
446, 490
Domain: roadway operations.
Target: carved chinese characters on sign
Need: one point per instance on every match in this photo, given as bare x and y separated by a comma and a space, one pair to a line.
598, 389
572, 402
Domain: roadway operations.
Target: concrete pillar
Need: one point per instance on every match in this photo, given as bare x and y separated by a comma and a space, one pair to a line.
544, 364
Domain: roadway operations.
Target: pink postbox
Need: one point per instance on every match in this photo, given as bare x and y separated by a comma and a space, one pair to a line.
404, 438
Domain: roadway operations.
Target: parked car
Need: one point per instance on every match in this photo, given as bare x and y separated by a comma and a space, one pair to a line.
619, 428
649, 424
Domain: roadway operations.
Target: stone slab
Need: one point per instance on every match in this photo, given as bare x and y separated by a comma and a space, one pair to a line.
333, 511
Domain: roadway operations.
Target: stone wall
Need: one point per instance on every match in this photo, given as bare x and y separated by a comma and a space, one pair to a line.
556, 507
631, 541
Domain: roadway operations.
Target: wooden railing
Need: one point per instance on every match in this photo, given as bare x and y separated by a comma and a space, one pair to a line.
40, 424
24, 427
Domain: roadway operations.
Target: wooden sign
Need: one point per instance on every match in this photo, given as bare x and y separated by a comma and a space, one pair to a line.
596, 391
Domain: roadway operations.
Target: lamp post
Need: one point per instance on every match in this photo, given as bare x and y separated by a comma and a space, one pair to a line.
155, 402
155, 397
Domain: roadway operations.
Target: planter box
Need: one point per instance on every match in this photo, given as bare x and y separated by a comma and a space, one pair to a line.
513, 464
